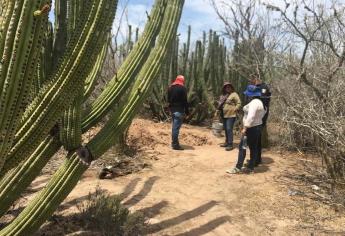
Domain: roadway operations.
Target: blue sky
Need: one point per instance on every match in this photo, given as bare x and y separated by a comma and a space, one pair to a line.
197, 13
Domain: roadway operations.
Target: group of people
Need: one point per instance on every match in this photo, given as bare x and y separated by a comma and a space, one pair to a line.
255, 114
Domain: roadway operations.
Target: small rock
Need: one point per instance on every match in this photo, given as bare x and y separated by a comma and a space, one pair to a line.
293, 192
315, 187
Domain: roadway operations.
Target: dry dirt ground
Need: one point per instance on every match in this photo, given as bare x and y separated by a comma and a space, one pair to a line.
188, 192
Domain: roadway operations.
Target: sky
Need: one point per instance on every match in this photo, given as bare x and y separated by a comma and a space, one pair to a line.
197, 13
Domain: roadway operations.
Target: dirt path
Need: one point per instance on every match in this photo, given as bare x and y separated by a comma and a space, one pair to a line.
188, 193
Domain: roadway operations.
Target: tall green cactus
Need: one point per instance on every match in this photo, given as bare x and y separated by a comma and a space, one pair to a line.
56, 104
77, 161
205, 69
19, 56
44, 111
19, 184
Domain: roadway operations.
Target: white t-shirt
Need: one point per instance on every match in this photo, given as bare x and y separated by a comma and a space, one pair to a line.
253, 113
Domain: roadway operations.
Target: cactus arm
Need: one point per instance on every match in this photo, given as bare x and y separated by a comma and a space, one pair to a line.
18, 66
64, 180
41, 159
91, 80
18, 179
70, 132
6, 14
60, 30
119, 120
127, 72
45, 109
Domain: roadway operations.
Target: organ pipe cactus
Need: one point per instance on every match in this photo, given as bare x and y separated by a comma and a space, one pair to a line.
44, 111
77, 161
50, 143
19, 57
54, 116
205, 68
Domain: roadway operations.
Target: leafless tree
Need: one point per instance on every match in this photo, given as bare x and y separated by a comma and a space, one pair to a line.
303, 54
248, 25
311, 84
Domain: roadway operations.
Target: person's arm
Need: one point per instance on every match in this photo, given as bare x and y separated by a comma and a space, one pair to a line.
250, 116
238, 102
169, 95
221, 101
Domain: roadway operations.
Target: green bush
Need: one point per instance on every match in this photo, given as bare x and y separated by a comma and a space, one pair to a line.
105, 214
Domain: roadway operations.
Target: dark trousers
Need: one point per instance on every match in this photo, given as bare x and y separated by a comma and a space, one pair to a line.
177, 120
253, 140
259, 159
228, 124
264, 122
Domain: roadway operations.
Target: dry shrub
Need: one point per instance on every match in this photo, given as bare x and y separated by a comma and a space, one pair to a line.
105, 214
314, 122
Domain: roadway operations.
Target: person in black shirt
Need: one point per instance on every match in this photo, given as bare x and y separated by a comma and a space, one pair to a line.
178, 105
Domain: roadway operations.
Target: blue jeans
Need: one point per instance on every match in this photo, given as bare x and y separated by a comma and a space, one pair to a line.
228, 127
177, 119
253, 139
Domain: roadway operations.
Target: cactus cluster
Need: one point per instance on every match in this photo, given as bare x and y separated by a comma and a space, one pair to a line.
205, 65
47, 73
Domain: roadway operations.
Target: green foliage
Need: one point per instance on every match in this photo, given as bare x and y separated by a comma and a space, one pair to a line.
104, 213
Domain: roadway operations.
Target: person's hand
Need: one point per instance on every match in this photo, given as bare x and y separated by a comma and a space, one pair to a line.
244, 131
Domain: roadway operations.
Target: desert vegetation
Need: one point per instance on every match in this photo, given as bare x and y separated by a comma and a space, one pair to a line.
61, 81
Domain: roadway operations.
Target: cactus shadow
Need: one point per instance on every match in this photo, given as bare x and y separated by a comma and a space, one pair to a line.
146, 189
129, 188
154, 228
206, 228
59, 223
154, 210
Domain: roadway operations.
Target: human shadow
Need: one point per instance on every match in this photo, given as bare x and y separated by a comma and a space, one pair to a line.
267, 160
264, 167
154, 228
206, 228
187, 147
261, 169
236, 144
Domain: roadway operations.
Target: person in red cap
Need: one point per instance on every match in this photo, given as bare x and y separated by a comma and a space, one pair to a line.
229, 104
178, 105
